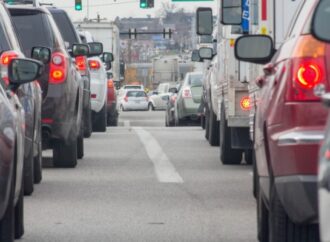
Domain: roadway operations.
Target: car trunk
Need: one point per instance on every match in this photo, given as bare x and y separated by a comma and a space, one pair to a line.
196, 92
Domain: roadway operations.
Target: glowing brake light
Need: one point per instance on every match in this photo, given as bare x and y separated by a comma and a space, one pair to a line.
309, 75
7, 56
94, 64
81, 64
245, 103
58, 68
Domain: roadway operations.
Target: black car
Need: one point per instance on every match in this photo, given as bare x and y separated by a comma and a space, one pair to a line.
61, 84
71, 37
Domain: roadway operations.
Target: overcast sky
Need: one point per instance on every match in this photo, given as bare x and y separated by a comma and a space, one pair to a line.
110, 9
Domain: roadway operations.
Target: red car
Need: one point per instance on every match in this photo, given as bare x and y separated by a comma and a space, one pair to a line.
112, 117
289, 125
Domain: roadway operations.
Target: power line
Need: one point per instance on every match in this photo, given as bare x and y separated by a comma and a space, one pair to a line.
103, 4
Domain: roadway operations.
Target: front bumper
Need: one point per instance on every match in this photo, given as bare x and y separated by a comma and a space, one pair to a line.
298, 195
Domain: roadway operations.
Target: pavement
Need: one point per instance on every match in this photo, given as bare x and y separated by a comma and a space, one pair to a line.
142, 181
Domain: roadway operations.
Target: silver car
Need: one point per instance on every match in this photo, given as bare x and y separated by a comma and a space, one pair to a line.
134, 100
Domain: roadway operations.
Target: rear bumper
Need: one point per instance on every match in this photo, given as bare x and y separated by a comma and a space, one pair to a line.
189, 109
298, 195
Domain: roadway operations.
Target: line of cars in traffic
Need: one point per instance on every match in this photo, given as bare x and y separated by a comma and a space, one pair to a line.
288, 120
53, 94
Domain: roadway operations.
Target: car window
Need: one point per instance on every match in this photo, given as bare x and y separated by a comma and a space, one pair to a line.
33, 29
136, 94
9, 28
4, 39
132, 87
195, 80
66, 28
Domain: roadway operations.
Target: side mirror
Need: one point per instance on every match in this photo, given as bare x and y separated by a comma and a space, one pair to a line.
165, 98
320, 21
42, 54
205, 53
107, 57
22, 70
231, 12
173, 90
204, 20
80, 50
108, 66
95, 48
258, 49
195, 56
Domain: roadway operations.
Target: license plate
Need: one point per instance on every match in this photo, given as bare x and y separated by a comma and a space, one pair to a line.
137, 101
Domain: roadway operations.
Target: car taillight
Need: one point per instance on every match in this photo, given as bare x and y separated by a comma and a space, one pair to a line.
126, 99
58, 68
5, 59
110, 84
245, 103
186, 93
307, 70
81, 64
94, 64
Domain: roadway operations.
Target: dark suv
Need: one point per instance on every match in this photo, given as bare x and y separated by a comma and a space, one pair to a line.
71, 37
61, 84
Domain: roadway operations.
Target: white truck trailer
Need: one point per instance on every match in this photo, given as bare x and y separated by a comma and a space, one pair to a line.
108, 34
165, 69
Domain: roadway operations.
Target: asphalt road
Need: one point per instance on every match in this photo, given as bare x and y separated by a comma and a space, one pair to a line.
143, 182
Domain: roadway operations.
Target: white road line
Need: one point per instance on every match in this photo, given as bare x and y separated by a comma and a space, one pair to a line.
164, 169
126, 123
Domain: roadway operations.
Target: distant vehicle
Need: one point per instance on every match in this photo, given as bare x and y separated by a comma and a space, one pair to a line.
165, 69
188, 99
61, 84
71, 37
169, 113
159, 100
112, 117
289, 126
134, 100
12, 122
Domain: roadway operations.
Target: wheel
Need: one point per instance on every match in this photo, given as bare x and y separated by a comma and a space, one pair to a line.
100, 121
171, 122
207, 114
112, 120
88, 122
19, 215
38, 165
262, 220
248, 155
122, 108
228, 155
281, 228
7, 224
214, 131
65, 155
29, 173
80, 147
255, 177
151, 107
203, 122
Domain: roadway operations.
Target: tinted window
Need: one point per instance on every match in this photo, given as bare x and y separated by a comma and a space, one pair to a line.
4, 41
132, 87
136, 94
65, 26
33, 30
195, 80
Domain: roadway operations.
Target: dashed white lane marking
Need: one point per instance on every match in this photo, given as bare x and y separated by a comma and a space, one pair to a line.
126, 123
164, 169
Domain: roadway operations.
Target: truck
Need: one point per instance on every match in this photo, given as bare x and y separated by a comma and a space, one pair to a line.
165, 69
108, 34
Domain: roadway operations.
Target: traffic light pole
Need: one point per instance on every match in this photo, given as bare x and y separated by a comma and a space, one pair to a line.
134, 33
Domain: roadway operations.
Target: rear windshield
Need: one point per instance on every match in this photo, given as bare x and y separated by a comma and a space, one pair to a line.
33, 29
65, 26
136, 94
195, 80
132, 87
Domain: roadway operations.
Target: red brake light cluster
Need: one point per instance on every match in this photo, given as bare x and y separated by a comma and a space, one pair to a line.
186, 93
94, 64
5, 59
58, 68
81, 64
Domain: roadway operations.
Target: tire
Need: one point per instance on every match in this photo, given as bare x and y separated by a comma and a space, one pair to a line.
112, 120
203, 122
80, 147
38, 165
19, 215
179, 122
65, 155
7, 223
207, 123
248, 155
88, 122
29, 173
282, 229
255, 177
151, 107
100, 121
228, 155
214, 132
262, 220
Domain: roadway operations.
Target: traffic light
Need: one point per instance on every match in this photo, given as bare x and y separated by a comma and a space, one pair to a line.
78, 5
146, 3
